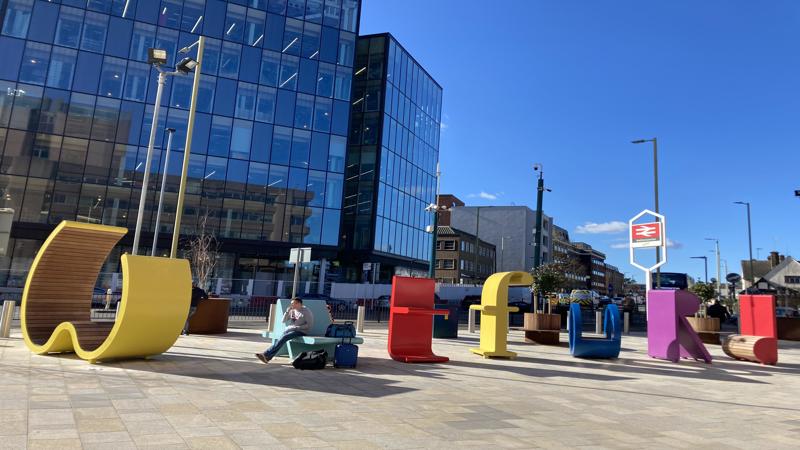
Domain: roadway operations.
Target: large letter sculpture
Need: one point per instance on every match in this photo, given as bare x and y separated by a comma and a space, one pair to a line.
494, 313
583, 347
669, 335
56, 302
410, 323
758, 341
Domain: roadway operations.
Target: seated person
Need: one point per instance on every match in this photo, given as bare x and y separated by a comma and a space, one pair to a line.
298, 319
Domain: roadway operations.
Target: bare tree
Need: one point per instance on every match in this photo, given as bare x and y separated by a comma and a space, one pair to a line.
202, 251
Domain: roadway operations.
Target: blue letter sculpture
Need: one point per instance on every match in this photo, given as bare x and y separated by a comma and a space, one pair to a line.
607, 347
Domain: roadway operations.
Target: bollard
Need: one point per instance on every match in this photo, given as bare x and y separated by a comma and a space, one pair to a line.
271, 318
626, 323
471, 321
598, 322
360, 318
108, 299
568, 321
7, 318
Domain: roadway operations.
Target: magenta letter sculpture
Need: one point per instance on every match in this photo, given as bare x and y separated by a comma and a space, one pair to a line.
669, 335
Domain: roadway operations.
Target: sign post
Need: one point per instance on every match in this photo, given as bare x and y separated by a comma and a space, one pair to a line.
648, 235
298, 256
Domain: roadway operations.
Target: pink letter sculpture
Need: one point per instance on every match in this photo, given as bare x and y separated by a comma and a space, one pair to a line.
669, 335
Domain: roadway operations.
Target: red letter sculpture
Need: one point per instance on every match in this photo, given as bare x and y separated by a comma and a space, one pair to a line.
410, 320
758, 341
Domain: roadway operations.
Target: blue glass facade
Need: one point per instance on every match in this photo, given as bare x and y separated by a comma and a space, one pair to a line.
392, 155
268, 151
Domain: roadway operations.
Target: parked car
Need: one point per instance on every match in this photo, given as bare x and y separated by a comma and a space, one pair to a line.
785, 311
524, 307
470, 300
603, 301
336, 304
582, 297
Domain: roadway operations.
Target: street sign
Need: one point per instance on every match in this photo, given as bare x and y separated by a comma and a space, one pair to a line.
366, 266
301, 255
733, 278
645, 235
648, 235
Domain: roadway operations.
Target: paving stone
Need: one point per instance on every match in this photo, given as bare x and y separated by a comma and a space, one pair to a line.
209, 392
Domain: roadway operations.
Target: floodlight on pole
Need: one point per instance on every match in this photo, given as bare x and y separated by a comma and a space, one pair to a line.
157, 57
176, 230
750, 242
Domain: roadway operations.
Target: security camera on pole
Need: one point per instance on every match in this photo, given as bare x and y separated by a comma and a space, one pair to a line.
648, 235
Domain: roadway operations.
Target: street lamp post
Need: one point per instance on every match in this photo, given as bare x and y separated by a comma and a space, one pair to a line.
537, 250
705, 260
434, 208
187, 149
750, 243
719, 286
655, 191
156, 57
170, 132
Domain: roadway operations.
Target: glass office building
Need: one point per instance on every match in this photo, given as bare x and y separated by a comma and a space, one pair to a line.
268, 154
390, 174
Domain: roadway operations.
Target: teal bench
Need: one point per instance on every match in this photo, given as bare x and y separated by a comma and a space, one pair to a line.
315, 339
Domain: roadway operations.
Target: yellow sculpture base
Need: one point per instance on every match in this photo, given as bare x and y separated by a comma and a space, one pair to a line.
488, 354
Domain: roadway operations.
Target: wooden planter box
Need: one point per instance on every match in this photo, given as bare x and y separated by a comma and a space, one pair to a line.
707, 328
788, 328
542, 328
211, 317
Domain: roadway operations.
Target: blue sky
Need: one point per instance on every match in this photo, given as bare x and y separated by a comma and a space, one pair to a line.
570, 83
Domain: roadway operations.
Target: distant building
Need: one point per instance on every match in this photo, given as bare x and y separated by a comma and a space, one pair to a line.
782, 280
447, 201
512, 231
460, 260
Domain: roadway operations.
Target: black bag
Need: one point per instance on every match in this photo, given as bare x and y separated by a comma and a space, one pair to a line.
312, 360
341, 330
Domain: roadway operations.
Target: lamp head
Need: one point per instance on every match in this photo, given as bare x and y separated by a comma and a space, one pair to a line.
156, 56
186, 65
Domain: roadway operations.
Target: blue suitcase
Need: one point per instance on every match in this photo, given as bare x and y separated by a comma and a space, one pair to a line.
346, 355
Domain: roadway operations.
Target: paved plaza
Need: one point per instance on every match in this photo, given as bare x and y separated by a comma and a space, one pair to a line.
210, 392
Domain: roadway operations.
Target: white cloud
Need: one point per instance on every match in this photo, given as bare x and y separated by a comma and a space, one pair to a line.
613, 227
670, 244
673, 244
485, 195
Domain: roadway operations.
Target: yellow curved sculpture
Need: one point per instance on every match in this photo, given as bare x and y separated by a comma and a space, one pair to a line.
494, 313
56, 302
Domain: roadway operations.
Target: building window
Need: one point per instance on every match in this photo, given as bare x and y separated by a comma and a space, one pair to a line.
449, 245
792, 279
448, 264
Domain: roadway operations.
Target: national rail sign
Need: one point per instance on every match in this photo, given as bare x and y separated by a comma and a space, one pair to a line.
647, 235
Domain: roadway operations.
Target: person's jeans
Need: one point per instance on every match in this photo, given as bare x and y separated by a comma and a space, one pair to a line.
192, 310
277, 345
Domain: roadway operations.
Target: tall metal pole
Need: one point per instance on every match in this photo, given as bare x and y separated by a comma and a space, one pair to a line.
477, 243
719, 285
537, 251
162, 77
176, 231
750, 244
434, 232
170, 132
655, 184
297, 271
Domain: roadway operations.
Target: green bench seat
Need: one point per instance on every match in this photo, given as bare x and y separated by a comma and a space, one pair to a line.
315, 339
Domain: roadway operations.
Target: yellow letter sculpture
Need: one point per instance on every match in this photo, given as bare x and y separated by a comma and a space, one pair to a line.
494, 313
56, 302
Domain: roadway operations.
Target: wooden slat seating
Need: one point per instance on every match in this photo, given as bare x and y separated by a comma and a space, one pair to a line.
60, 290
56, 303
